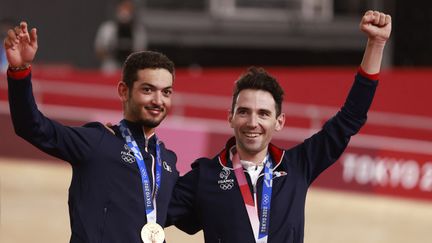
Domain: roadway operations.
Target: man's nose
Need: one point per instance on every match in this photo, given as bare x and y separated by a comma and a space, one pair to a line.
252, 121
158, 98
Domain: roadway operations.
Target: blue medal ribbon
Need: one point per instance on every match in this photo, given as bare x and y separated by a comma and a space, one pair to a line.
149, 197
266, 198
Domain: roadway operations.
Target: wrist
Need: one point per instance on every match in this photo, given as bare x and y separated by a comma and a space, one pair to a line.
374, 42
371, 76
24, 67
19, 72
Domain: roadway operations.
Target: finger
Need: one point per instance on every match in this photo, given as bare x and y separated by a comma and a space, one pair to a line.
369, 12
382, 19
10, 41
33, 37
23, 32
387, 19
23, 27
376, 17
367, 17
7, 43
17, 30
12, 36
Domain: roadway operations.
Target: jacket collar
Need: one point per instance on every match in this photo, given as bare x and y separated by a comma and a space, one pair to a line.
138, 134
224, 156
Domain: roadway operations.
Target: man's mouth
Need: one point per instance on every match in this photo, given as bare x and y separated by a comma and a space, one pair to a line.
155, 110
251, 134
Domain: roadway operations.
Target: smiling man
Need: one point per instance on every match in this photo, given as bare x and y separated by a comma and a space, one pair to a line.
123, 175
254, 191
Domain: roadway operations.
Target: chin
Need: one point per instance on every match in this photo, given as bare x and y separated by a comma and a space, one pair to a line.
254, 149
152, 123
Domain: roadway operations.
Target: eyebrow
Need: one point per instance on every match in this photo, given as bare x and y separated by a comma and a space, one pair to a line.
265, 110
242, 108
155, 87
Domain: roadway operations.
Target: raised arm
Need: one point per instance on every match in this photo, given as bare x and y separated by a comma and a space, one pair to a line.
20, 46
377, 27
72, 144
326, 146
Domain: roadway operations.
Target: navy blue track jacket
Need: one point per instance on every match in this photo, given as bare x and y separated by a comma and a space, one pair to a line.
208, 197
106, 200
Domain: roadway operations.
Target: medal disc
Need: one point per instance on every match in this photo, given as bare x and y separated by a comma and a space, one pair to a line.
152, 233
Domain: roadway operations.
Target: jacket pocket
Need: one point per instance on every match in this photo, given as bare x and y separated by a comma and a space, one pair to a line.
291, 236
105, 212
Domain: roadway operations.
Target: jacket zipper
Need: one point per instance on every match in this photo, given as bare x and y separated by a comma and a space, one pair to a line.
146, 142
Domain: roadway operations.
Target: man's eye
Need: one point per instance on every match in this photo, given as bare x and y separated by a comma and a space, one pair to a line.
146, 90
167, 92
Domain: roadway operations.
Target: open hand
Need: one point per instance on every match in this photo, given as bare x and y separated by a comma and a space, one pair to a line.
20, 45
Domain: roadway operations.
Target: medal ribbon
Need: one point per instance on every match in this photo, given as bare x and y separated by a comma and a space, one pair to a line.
149, 197
259, 226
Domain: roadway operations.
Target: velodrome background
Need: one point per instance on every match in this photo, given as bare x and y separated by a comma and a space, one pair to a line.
378, 192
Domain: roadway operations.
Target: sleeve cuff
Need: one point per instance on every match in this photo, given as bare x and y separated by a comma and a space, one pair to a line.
21, 74
374, 76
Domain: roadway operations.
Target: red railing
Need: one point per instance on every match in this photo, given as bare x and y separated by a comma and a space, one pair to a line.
392, 155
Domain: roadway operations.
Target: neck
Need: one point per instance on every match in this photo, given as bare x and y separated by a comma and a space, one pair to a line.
148, 132
256, 158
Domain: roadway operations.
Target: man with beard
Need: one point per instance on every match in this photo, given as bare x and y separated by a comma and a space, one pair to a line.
254, 191
123, 175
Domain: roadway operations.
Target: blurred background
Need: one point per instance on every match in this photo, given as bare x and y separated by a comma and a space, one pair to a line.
379, 190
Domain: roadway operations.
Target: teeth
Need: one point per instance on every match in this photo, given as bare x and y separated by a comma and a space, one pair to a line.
251, 135
155, 109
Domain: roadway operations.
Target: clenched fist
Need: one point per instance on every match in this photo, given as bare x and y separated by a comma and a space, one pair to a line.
376, 25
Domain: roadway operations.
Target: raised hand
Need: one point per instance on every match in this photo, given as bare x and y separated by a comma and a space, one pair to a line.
20, 45
376, 25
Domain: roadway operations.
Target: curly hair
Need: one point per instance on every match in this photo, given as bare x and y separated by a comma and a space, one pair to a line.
142, 60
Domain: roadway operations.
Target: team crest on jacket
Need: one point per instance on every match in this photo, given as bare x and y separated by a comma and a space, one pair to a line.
166, 166
128, 156
224, 182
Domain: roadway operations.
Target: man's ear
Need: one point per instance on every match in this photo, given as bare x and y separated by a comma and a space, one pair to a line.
123, 91
230, 117
280, 122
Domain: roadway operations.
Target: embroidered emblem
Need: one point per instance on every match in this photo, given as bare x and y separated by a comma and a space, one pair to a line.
127, 155
279, 173
166, 166
225, 183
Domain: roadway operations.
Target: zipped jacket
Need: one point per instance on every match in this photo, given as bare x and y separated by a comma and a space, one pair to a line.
209, 198
106, 200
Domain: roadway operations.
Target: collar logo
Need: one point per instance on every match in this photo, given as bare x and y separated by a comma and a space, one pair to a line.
225, 183
127, 156
166, 166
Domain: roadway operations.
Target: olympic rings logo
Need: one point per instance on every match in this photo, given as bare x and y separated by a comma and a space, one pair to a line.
128, 159
226, 186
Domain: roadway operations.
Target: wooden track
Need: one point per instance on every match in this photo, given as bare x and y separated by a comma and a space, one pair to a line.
33, 203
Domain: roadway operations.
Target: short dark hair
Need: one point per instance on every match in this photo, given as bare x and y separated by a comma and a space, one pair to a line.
259, 79
142, 60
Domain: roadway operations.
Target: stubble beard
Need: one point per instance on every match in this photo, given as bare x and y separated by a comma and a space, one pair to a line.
150, 123
140, 116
